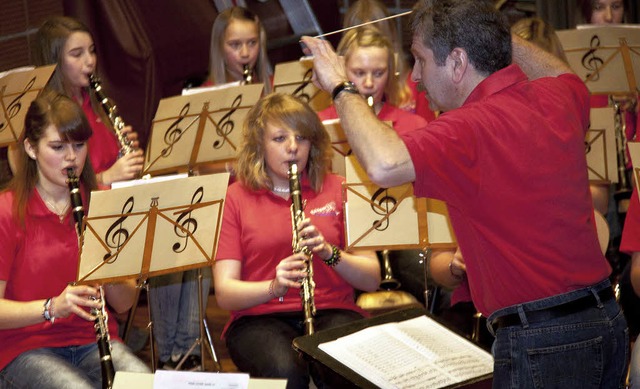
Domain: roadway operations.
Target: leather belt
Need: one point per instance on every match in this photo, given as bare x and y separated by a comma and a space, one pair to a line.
589, 301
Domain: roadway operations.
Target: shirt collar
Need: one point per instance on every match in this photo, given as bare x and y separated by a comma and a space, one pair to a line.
496, 82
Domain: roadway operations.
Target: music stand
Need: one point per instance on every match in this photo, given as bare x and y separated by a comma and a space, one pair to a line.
294, 78
417, 223
606, 58
311, 345
600, 147
198, 128
153, 229
18, 88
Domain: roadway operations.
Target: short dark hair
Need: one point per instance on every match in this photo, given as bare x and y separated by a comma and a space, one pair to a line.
473, 25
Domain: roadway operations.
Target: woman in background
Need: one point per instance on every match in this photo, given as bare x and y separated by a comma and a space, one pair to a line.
257, 274
370, 64
238, 49
68, 43
409, 97
46, 329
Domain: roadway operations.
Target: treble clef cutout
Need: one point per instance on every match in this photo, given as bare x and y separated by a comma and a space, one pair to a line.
116, 235
174, 132
591, 61
187, 222
226, 125
386, 202
299, 91
15, 105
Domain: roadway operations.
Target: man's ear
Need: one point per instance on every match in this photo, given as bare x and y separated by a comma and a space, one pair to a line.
459, 61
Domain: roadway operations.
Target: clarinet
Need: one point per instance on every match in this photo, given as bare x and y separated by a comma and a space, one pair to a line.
100, 324
247, 74
126, 146
297, 215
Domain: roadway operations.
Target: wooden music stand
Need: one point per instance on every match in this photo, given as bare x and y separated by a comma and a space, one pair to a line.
600, 147
393, 218
294, 78
606, 58
153, 229
198, 128
18, 89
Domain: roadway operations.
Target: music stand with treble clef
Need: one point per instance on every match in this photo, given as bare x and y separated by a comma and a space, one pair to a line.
606, 58
152, 229
198, 128
294, 78
18, 89
393, 218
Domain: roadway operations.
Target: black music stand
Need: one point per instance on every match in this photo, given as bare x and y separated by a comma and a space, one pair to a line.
309, 346
147, 230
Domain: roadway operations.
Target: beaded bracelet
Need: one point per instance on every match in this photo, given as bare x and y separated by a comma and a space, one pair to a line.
335, 257
47, 311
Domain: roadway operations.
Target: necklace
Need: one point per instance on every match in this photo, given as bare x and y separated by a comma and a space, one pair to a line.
280, 189
51, 206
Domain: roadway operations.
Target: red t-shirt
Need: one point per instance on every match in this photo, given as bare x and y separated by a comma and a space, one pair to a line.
256, 230
510, 165
38, 262
401, 120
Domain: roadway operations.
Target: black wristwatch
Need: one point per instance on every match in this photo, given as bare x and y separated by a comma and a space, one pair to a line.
346, 86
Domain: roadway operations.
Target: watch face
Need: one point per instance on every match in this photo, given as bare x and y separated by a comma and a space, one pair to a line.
347, 86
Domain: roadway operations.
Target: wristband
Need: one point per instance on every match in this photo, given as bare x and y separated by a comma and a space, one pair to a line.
47, 311
272, 293
335, 257
346, 86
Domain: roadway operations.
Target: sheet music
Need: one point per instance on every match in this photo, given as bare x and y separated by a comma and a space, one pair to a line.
415, 353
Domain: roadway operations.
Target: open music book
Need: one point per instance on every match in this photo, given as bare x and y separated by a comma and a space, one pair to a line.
414, 353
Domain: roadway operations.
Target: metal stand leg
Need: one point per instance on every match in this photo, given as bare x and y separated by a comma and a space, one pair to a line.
129, 324
205, 335
427, 260
152, 347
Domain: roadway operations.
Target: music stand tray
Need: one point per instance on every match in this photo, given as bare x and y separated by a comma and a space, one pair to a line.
309, 346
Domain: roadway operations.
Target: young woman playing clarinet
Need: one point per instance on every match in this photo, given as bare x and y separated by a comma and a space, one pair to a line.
258, 274
69, 44
46, 328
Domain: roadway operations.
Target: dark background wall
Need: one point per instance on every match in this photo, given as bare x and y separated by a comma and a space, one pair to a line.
148, 49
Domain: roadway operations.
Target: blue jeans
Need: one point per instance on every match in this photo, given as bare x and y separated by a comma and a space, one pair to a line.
66, 367
262, 347
174, 310
585, 349
634, 366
